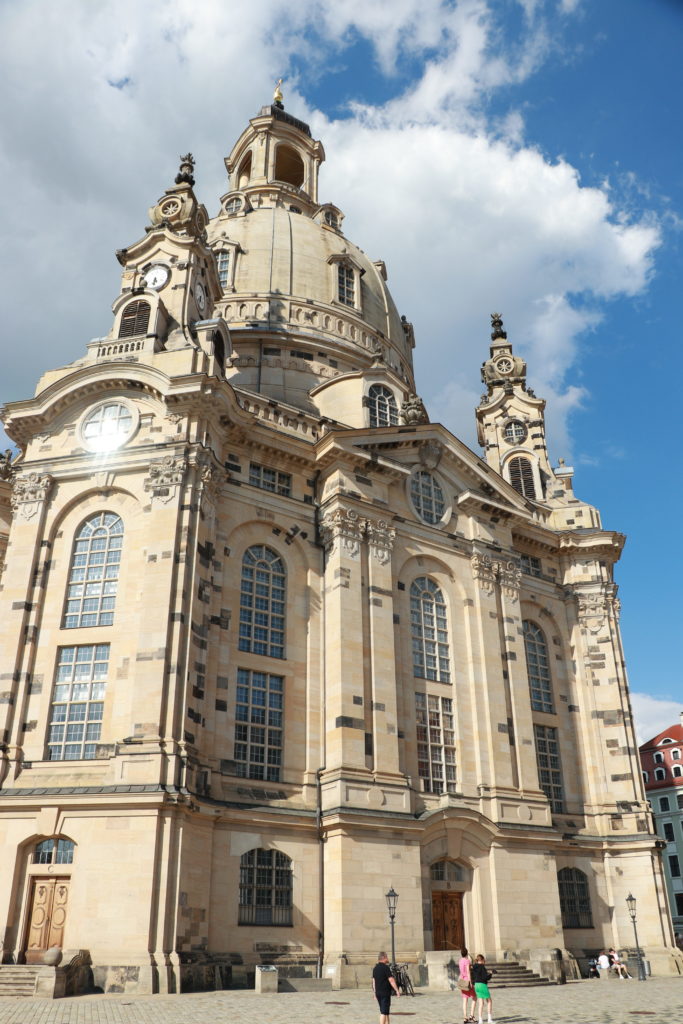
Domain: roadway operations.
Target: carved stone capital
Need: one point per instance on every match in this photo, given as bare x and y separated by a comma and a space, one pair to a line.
165, 477
343, 528
593, 609
488, 572
381, 537
29, 492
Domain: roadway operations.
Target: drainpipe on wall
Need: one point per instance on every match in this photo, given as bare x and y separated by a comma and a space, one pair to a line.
323, 751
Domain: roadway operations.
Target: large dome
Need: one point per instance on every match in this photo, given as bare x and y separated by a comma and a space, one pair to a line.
294, 287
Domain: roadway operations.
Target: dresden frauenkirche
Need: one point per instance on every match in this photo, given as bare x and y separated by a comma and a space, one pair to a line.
272, 643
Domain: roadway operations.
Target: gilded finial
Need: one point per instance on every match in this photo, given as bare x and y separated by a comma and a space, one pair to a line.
277, 95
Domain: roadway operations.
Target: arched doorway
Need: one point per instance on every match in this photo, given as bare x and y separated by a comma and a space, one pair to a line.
48, 898
449, 882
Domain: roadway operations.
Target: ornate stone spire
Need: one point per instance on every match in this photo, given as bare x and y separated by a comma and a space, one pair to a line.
502, 369
178, 208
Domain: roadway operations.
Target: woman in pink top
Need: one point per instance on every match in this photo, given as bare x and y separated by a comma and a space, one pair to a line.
468, 993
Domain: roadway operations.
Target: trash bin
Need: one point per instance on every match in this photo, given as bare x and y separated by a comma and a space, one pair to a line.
265, 978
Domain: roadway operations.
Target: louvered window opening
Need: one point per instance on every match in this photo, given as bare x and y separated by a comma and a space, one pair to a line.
522, 476
135, 319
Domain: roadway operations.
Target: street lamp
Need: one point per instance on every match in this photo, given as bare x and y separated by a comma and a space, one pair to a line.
392, 899
631, 904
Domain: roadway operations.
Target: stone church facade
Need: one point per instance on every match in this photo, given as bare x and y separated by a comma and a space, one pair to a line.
272, 642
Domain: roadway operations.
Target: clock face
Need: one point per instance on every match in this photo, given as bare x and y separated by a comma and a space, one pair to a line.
200, 296
157, 276
504, 365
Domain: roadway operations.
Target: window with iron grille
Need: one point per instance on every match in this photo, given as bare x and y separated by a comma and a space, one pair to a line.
265, 888
429, 631
259, 705
135, 319
575, 899
538, 667
514, 432
223, 264
54, 851
94, 572
269, 479
522, 476
427, 497
529, 565
435, 743
347, 291
78, 702
549, 768
382, 406
262, 602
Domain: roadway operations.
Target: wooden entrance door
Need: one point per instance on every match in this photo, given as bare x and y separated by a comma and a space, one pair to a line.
49, 898
447, 923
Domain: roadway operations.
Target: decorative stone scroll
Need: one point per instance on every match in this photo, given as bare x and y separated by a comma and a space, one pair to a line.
413, 411
165, 477
488, 572
29, 492
348, 529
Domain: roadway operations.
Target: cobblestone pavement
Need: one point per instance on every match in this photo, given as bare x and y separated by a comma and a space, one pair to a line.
584, 1002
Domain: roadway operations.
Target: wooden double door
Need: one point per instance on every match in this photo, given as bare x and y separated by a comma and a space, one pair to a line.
47, 917
447, 922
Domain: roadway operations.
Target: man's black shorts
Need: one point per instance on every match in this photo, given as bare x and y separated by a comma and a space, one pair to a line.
384, 1005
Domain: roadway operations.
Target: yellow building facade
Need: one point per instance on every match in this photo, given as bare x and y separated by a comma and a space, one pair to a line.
272, 642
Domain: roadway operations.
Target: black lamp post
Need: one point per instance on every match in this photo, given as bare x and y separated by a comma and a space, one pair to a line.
392, 900
631, 904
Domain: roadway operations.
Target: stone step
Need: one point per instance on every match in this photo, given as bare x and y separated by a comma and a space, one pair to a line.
17, 980
511, 974
304, 985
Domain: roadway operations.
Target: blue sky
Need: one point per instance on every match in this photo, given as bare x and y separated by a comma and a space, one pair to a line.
498, 154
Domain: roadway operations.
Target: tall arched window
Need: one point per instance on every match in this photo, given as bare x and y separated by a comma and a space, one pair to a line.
575, 900
135, 319
522, 476
538, 667
94, 572
382, 406
262, 602
265, 888
429, 630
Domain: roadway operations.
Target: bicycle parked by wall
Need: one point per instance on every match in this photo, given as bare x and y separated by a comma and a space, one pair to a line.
400, 973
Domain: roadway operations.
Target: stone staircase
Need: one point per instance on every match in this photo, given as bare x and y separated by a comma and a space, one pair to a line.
510, 974
18, 980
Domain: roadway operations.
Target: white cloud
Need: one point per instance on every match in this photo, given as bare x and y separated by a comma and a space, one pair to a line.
468, 216
653, 714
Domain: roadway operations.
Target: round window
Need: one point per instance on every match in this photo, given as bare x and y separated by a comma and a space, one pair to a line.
107, 426
427, 497
515, 431
233, 205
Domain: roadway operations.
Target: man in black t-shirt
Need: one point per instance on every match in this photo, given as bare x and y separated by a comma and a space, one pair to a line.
383, 982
